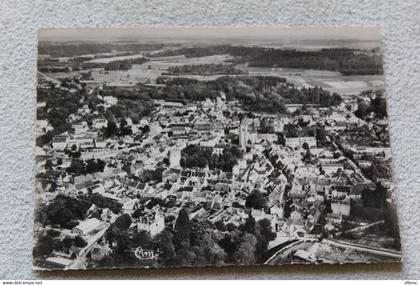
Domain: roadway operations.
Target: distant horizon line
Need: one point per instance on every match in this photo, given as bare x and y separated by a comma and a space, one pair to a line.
227, 34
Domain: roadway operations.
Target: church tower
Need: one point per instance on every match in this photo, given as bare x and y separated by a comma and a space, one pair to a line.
243, 134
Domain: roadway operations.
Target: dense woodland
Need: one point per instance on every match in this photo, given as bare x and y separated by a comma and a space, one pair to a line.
82, 49
196, 156
77, 64
346, 61
204, 69
256, 93
59, 105
263, 94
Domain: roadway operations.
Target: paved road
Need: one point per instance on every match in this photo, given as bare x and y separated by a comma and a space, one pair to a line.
361, 228
49, 78
280, 252
288, 247
365, 249
80, 261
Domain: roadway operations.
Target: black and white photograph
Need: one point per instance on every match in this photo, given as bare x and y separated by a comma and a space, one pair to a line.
209, 147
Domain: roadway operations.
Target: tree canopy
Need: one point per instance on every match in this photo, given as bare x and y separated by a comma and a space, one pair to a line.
256, 200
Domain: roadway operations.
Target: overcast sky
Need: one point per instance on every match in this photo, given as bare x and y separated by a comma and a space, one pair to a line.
221, 34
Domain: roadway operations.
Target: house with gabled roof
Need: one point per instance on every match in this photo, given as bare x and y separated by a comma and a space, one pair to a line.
171, 175
153, 222
59, 142
88, 227
136, 168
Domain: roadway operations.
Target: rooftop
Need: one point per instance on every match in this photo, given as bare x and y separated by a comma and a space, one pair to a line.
89, 225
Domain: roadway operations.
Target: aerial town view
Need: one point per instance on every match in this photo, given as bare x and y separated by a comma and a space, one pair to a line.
169, 148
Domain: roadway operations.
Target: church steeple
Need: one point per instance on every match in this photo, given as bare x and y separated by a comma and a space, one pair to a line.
243, 134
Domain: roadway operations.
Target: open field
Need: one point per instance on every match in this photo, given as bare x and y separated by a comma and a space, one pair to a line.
114, 58
148, 72
332, 81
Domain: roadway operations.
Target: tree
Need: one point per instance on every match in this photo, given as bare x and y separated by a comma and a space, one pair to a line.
150, 175
44, 246
213, 253
117, 111
307, 157
67, 243
374, 198
123, 222
185, 255
127, 131
167, 247
362, 108
255, 200
376, 170
100, 165
391, 223
321, 170
228, 245
230, 227
48, 164
264, 235
143, 239
246, 252
249, 225
166, 161
124, 129
111, 129
108, 262
146, 129
137, 213
182, 228
123, 241
79, 242
378, 105
91, 165
94, 165
220, 226
321, 135
77, 167
65, 209
123, 123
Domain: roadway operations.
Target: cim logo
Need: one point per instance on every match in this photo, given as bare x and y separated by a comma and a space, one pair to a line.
143, 254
